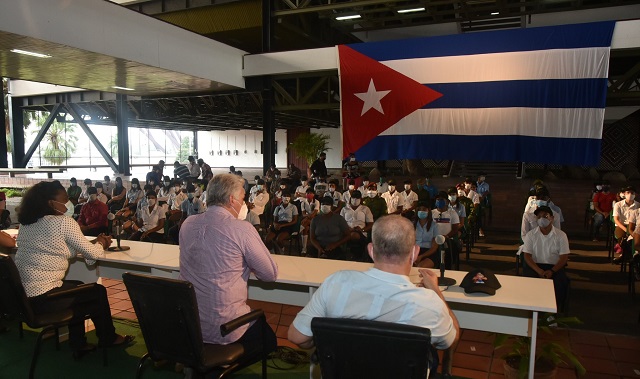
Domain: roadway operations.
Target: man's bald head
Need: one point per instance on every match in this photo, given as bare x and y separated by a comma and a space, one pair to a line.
393, 238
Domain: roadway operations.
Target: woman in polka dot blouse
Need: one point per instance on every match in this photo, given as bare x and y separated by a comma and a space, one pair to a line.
46, 242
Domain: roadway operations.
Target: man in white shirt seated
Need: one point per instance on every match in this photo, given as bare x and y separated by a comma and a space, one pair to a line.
530, 221
546, 252
301, 190
384, 292
447, 224
257, 201
392, 197
360, 220
408, 200
625, 214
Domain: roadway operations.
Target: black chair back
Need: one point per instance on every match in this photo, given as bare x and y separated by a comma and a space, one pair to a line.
348, 348
167, 311
13, 299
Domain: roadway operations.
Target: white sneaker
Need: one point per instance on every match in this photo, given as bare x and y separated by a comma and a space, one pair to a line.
481, 233
303, 253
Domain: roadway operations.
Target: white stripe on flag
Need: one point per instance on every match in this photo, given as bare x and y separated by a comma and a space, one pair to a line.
535, 122
521, 65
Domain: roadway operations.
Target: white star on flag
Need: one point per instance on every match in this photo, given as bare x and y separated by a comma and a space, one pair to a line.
372, 98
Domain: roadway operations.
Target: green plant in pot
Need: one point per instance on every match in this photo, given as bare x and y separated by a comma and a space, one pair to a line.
549, 354
308, 146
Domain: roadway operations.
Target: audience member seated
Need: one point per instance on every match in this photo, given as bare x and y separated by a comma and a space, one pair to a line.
384, 292
257, 201
346, 195
153, 177
318, 168
360, 220
602, 205
149, 226
328, 233
101, 195
107, 187
301, 190
310, 209
530, 221
270, 175
373, 201
335, 196
392, 197
74, 191
625, 217
93, 215
165, 192
383, 186
84, 195
424, 198
218, 252
352, 169
425, 238
431, 188
118, 196
546, 252
180, 171
320, 187
179, 195
294, 174
134, 195
365, 185
192, 206
285, 220
458, 206
46, 242
447, 223
408, 201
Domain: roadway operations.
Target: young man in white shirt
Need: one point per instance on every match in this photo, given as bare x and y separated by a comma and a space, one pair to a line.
408, 200
392, 197
360, 220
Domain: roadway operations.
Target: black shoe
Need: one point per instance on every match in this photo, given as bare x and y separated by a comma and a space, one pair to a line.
617, 260
86, 349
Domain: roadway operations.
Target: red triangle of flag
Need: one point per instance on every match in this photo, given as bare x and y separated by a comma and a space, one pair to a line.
374, 97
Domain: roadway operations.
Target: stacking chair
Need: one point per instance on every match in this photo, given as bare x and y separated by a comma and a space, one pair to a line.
350, 348
167, 311
14, 301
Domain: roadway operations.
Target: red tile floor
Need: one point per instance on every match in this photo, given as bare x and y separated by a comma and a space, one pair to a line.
604, 355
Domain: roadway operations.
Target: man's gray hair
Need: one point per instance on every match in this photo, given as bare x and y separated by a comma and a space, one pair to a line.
221, 187
393, 238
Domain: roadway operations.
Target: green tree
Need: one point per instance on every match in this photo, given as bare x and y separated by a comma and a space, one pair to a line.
60, 140
185, 149
308, 146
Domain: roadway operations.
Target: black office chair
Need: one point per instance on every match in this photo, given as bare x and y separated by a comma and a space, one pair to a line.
167, 311
349, 348
14, 301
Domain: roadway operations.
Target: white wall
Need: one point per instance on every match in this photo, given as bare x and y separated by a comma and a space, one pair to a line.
235, 140
334, 155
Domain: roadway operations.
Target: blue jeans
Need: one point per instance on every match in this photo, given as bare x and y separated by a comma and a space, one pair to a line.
598, 219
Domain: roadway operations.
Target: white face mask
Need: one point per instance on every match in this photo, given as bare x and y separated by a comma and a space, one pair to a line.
392, 188
460, 193
166, 184
407, 187
332, 189
452, 198
630, 196
355, 202
365, 183
325, 209
543, 222
243, 212
283, 186
151, 202
481, 179
304, 183
351, 187
467, 186
190, 195
373, 193
134, 186
599, 188
352, 159
286, 200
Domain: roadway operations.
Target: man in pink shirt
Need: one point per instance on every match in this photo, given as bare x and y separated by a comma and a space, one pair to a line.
218, 252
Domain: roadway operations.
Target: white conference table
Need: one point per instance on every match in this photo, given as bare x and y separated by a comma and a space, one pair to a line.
514, 309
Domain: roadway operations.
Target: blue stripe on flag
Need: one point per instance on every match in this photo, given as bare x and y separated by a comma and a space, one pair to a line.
555, 93
569, 151
597, 34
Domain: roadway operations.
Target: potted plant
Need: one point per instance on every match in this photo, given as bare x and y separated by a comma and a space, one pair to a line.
308, 146
549, 354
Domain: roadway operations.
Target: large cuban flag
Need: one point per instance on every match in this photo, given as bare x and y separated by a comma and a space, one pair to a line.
533, 95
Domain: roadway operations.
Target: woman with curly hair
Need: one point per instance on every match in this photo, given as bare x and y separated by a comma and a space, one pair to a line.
47, 241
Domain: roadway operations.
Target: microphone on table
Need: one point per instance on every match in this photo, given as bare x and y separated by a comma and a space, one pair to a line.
118, 219
442, 280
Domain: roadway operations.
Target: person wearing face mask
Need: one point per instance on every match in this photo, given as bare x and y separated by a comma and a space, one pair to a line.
346, 195
101, 195
430, 187
134, 195
351, 168
301, 190
93, 215
625, 216
318, 168
529, 220
191, 206
117, 196
294, 174
321, 187
392, 197
149, 226
424, 197
408, 200
46, 242
360, 220
335, 196
382, 184
310, 209
218, 252
447, 220
603, 206
165, 192
328, 233
481, 187
456, 205
257, 201
546, 252
180, 171
84, 195
74, 191
179, 195
469, 190
425, 238
107, 186
373, 201
365, 184
285, 220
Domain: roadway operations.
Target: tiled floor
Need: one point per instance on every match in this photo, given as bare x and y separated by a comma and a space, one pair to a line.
604, 355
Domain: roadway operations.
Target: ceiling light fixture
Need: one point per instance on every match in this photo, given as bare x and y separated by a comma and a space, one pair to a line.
495, 13
30, 53
411, 10
349, 17
123, 88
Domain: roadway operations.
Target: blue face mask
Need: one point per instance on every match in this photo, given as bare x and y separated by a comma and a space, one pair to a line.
440, 203
541, 203
423, 214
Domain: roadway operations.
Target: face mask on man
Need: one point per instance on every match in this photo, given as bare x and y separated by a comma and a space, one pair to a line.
332, 189
166, 184
599, 188
460, 193
372, 194
190, 195
543, 222
541, 203
151, 202
355, 202
467, 186
304, 183
286, 200
392, 188
282, 186
423, 215
259, 187
365, 183
242, 215
407, 187
630, 196
310, 197
351, 187
134, 186
453, 198
325, 209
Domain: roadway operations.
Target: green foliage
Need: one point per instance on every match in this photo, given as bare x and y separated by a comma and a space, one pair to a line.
13, 192
60, 140
309, 146
547, 351
185, 149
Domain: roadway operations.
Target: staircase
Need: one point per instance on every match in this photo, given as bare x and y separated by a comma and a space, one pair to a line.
463, 169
